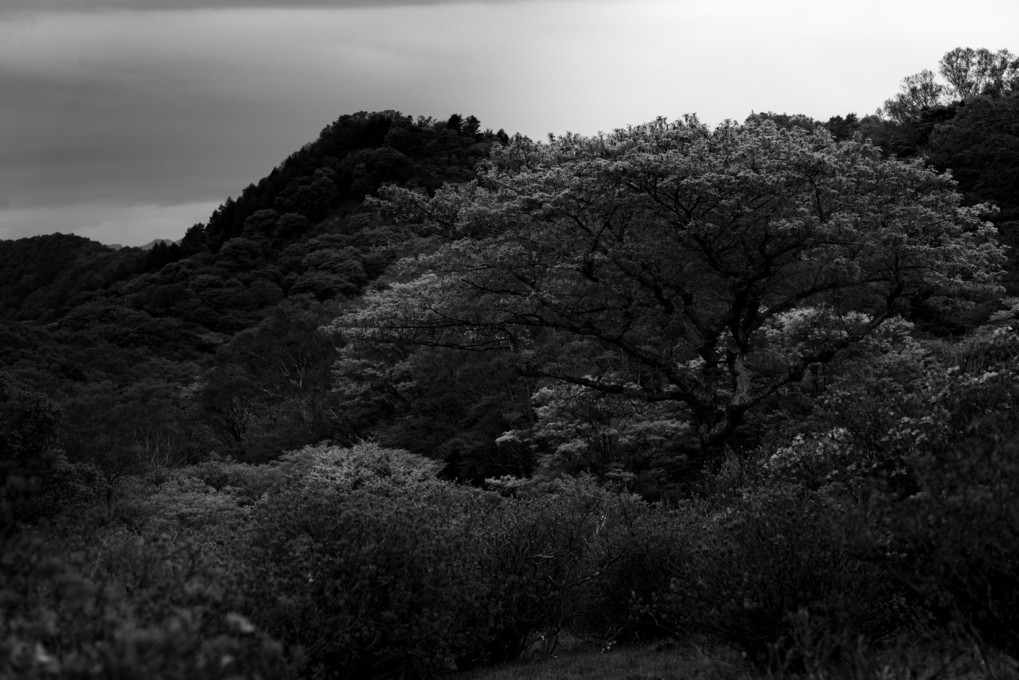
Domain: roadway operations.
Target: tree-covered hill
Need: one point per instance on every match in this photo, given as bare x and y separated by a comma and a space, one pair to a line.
310, 193
40, 277
301, 244
292, 246
427, 395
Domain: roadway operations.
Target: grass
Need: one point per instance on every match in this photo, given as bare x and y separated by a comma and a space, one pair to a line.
629, 663
706, 662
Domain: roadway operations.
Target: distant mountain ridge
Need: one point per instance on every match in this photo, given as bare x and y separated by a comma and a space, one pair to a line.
148, 246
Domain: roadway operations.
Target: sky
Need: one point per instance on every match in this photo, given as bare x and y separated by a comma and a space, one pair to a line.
129, 120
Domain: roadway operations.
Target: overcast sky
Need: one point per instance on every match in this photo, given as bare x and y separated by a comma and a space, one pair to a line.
128, 120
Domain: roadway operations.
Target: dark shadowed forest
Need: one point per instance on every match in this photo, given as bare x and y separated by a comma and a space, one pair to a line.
429, 400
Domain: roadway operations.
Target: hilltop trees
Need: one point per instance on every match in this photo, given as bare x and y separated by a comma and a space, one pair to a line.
703, 270
966, 72
971, 72
919, 92
981, 147
927, 103
353, 156
964, 120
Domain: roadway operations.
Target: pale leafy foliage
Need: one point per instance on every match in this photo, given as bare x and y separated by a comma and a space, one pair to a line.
671, 262
614, 437
366, 465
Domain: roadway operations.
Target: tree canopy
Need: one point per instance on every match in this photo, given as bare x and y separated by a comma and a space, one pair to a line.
672, 263
966, 73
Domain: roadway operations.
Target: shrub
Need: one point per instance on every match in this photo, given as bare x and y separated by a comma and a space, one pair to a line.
117, 605
366, 583
638, 552
374, 568
360, 563
780, 550
534, 561
149, 590
959, 535
954, 537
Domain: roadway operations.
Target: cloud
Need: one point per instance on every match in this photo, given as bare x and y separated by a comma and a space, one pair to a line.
131, 108
30, 6
161, 108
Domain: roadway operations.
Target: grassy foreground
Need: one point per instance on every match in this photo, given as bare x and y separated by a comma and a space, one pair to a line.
628, 663
944, 661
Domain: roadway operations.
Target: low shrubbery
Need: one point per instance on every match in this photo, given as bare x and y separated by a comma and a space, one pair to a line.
375, 569
368, 584
958, 536
120, 604
334, 563
777, 554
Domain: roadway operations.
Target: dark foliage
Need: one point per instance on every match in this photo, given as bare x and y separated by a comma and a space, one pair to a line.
352, 158
151, 525
43, 276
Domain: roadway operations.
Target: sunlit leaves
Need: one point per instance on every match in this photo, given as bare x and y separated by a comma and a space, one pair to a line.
678, 250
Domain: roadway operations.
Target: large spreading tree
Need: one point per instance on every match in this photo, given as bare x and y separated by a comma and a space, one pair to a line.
704, 270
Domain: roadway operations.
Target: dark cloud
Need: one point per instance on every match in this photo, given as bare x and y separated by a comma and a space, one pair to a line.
89, 136
109, 109
184, 5
176, 112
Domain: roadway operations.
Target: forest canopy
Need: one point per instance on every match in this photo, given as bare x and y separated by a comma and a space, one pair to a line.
676, 264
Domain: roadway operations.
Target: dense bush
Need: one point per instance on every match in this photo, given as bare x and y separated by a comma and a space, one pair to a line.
959, 538
360, 562
959, 533
126, 605
538, 553
373, 567
776, 552
366, 583
640, 550
923, 440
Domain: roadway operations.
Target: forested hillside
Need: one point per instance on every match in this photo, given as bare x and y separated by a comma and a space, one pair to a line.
428, 395
169, 354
